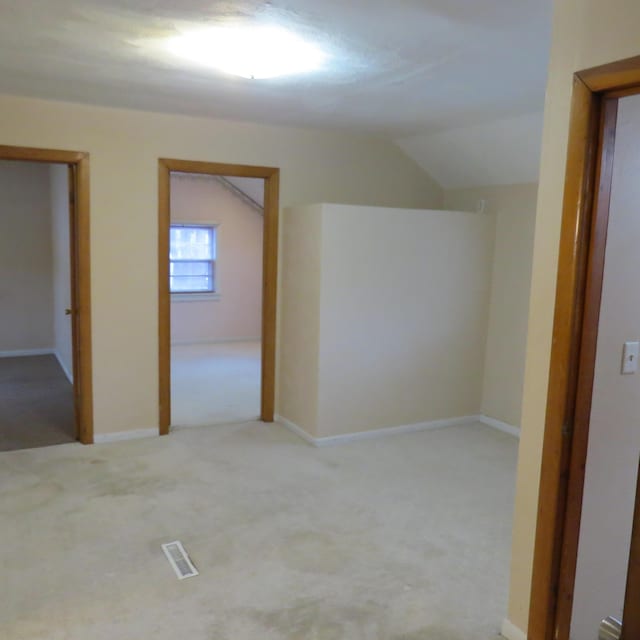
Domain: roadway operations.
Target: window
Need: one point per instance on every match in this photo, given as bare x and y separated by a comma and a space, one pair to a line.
192, 258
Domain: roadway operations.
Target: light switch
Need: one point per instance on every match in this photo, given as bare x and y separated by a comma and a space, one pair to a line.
630, 357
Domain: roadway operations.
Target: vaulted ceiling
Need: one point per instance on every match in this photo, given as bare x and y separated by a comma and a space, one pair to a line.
396, 69
505, 151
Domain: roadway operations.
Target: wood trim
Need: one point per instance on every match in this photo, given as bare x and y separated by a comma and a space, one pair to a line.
631, 615
72, 189
219, 169
271, 176
269, 295
582, 244
49, 156
80, 243
82, 311
164, 299
563, 368
612, 77
586, 368
623, 93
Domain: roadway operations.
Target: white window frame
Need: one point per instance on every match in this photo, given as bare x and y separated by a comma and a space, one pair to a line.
192, 296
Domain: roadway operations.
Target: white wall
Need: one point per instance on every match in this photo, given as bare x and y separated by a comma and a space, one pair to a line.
586, 33
614, 436
404, 298
300, 315
26, 298
501, 152
237, 313
124, 148
513, 208
61, 267
403, 316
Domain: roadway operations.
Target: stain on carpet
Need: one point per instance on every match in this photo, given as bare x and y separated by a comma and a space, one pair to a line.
321, 620
314, 552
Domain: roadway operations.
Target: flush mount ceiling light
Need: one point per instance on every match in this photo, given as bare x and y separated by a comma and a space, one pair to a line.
250, 52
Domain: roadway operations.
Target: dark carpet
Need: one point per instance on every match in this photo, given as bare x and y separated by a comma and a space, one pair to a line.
36, 403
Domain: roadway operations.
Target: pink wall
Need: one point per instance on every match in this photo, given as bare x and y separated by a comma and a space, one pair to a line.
236, 315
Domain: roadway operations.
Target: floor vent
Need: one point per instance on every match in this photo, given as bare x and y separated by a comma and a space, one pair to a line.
179, 560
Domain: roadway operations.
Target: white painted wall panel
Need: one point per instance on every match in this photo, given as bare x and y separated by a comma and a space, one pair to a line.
26, 296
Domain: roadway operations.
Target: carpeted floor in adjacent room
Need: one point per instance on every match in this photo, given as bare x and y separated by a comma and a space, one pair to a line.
401, 538
215, 383
36, 403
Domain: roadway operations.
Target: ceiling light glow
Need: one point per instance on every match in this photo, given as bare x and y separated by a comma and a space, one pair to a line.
255, 52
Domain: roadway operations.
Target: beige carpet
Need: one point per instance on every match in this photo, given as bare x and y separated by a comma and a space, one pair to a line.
403, 538
36, 403
215, 383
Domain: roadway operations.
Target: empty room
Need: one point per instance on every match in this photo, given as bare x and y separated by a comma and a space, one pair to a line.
318, 382
215, 283
36, 353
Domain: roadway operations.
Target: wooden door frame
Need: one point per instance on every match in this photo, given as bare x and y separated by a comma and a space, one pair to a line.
271, 178
79, 245
631, 615
578, 291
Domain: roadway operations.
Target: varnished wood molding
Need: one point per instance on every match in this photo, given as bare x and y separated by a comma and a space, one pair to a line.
271, 176
631, 615
616, 76
578, 291
80, 250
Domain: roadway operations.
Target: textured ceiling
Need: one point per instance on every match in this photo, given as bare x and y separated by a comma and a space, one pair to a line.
396, 67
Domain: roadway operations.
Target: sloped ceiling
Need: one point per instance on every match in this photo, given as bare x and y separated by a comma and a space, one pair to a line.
505, 151
251, 187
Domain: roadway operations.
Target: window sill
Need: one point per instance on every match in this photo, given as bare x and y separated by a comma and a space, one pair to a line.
194, 297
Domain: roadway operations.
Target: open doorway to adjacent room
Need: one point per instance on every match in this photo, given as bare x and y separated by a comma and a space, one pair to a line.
42, 226
218, 232
215, 281
586, 568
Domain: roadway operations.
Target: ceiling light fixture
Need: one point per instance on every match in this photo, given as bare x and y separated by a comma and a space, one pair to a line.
250, 52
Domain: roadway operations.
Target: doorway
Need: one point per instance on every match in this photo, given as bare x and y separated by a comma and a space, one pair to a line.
213, 367
45, 368
590, 448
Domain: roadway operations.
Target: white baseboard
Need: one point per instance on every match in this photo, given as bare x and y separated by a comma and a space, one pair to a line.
511, 632
64, 367
299, 431
500, 426
329, 441
26, 352
101, 438
188, 343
